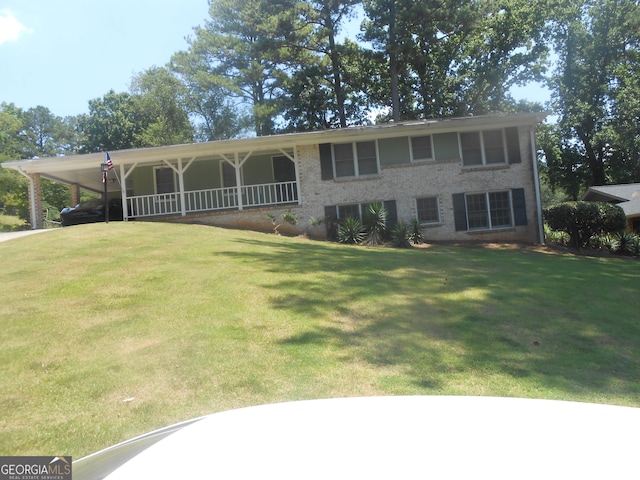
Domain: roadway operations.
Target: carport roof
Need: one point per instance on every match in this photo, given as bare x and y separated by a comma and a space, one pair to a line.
84, 170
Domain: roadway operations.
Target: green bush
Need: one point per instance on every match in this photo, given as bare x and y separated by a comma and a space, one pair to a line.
400, 235
375, 224
415, 235
582, 220
351, 230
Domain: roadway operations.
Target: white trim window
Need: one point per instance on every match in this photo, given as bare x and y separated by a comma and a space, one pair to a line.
164, 180
355, 159
489, 210
421, 148
355, 210
428, 210
488, 147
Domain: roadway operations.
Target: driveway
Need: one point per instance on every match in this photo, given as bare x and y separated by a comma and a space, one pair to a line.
9, 235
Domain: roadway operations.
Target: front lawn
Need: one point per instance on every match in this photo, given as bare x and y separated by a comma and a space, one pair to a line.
109, 331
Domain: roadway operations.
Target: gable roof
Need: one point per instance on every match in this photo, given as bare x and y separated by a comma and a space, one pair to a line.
626, 195
84, 170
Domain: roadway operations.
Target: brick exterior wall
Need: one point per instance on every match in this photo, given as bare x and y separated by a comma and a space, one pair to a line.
402, 183
37, 221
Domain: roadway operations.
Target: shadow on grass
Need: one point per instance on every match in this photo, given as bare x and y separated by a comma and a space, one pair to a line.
552, 321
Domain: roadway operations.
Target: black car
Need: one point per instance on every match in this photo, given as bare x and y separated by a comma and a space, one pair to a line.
91, 211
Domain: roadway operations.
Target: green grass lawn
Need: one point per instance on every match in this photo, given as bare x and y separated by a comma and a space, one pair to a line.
109, 331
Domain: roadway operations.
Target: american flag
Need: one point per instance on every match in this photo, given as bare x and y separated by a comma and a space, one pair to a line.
107, 160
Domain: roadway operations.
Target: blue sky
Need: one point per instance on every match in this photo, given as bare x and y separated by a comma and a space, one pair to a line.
62, 53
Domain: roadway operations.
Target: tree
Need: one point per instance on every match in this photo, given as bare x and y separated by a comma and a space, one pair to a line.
507, 47
210, 105
113, 123
43, 131
455, 58
160, 99
326, 18
386, 20
596, 91
243, 49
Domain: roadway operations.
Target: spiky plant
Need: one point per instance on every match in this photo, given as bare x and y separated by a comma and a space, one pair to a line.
400, 235
415, 235
375, 223
351, 230
625, 243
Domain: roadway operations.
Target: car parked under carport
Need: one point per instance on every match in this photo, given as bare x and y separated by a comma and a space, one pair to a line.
91, 211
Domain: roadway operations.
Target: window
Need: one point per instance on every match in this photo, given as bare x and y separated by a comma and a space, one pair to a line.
421, 148
343, 160
354, 210
428, 210
165, 180
228, 174
489, 210
486, 211
354, 159
483, 148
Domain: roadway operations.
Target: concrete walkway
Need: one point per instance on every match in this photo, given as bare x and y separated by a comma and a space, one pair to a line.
4, 236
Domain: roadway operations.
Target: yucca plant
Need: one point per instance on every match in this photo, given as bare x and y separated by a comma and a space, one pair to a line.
625, 243
415, 235
400, 235
635, 246
375, 223
351, 230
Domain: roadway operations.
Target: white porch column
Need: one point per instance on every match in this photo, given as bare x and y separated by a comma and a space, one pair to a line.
183, 206
123, 193
236, 165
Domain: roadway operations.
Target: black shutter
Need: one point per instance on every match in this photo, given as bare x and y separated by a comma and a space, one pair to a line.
459, 211
513, 145
392, 213
326, 161
331, 221
519, 206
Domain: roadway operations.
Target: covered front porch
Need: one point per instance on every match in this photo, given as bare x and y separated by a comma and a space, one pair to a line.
177, 180
198, 201
208, 183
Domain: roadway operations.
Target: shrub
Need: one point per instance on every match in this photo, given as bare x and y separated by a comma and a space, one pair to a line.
415, 235
290, 217
626, 243
582, 220
555, 236
351, 230
400, 235
375, 224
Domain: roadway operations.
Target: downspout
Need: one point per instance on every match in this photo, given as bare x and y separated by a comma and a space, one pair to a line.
32, 198
536, 182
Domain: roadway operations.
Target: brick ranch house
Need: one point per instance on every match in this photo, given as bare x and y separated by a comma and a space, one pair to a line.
464, 179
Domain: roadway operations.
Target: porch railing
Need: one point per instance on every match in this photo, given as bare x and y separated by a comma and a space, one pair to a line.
212, 199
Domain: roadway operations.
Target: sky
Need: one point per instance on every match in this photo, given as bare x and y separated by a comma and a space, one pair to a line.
62, 53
